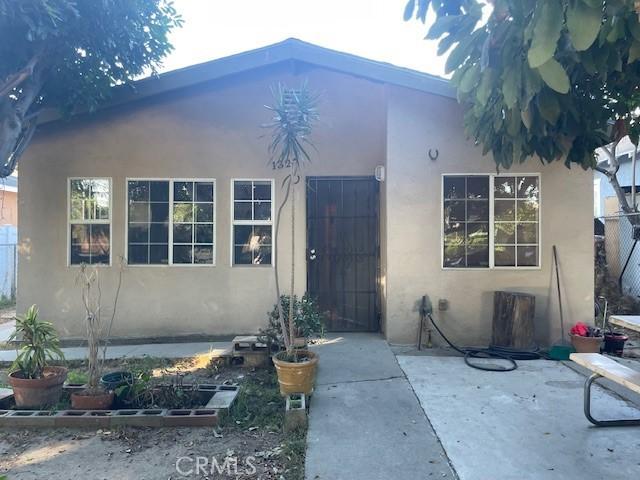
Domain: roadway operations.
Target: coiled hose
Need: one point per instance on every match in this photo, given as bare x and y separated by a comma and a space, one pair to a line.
500, 353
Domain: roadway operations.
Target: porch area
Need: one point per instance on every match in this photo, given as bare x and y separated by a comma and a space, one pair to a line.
381, 413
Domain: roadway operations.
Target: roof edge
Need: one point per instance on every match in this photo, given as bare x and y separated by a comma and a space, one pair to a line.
286, 50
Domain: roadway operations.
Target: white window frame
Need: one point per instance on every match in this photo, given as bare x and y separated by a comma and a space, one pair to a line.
90, 222
170, 240
235, 222
492, 177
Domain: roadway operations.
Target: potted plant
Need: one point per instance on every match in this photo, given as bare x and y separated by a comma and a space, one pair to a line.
36, 384
613, 341
585, 338
294, 115
95, 396
296, 371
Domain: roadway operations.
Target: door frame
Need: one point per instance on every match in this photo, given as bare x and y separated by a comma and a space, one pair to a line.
376, 325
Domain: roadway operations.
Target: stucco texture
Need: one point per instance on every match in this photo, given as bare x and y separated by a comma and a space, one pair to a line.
417, 123
214, 131
210, 131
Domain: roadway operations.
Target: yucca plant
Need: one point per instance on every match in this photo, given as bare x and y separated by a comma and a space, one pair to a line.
40, 344
295, 113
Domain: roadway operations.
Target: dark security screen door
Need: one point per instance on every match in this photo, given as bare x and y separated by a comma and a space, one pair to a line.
343, 250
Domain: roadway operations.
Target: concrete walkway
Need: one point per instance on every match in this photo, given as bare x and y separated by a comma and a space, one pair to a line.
164, 350
523, 425
6, 329
365, 420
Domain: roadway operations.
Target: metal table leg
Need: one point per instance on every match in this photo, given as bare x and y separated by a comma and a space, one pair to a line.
587, 408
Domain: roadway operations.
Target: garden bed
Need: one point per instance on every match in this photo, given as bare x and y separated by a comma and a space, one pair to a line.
252, 428
209, 400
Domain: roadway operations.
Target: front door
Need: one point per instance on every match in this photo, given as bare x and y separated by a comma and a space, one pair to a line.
343, 250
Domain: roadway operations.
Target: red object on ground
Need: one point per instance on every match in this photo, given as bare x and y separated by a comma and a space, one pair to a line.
580, 329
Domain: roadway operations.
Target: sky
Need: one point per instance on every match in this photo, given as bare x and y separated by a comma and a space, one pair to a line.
370, 28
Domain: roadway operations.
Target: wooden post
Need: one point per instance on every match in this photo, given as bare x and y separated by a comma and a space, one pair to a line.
513, 315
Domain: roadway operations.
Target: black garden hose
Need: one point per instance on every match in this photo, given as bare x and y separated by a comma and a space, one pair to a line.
500, 353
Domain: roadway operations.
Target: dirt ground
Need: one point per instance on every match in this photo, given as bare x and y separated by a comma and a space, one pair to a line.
249, 443
140, 454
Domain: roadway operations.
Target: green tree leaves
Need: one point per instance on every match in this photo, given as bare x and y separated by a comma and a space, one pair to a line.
69, 54
542, 77
583, 23
554, 75
548, 20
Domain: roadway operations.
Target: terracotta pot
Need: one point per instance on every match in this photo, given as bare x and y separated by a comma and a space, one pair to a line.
39, 392
298, 377
84, 400
586, 344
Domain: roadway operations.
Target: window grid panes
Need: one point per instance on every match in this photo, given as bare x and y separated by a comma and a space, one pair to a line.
505, 207
89, 221
193, 217
516, 221
148, 222
171, 222
466, 222
252, 222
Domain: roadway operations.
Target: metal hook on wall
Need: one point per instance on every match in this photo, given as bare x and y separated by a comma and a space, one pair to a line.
434, 156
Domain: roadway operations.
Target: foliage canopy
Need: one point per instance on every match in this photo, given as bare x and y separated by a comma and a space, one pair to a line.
68, 54
552, 78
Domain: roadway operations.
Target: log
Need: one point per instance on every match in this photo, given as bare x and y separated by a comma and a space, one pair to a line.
513, 315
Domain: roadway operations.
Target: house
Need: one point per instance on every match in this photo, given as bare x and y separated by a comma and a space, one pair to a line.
174, 177
623, 257
8, 237
9, 200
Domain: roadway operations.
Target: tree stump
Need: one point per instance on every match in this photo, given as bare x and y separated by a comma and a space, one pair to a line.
513, 315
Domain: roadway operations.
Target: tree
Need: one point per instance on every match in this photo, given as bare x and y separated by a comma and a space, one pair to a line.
552, 78
68, 55
295, 113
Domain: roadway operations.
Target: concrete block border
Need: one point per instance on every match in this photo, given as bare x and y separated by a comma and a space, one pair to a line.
196, 417
221, 399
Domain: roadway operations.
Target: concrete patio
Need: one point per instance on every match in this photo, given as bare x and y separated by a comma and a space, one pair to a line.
526, 424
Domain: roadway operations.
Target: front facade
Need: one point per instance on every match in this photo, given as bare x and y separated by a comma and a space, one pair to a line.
172, 192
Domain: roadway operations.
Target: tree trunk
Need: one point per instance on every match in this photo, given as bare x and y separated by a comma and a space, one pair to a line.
513, 315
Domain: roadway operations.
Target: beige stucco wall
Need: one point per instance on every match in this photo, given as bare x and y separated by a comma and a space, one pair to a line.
209, 131
417, 123
214, 131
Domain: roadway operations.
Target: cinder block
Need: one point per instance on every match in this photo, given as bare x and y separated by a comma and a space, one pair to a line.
223, 399
28, 418
201, 417
250, 358
83, 418
295, 414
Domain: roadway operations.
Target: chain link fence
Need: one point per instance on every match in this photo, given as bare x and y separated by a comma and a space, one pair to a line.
8, 264
617, 261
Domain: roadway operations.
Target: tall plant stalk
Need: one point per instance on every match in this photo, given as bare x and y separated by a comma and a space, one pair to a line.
294, 115
89, 281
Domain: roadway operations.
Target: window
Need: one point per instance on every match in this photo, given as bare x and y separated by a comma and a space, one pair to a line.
466, 221
90, 221
171, 222
491, 221
516, 225
193, 212
252, 222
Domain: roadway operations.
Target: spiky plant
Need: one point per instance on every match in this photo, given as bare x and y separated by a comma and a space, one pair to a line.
40, 344
295, 113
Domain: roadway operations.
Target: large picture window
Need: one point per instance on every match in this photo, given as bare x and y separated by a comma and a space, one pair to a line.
171, 222
89, 221
491, 221
252, 222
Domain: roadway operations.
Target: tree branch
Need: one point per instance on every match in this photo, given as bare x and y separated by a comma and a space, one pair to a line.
16, 79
